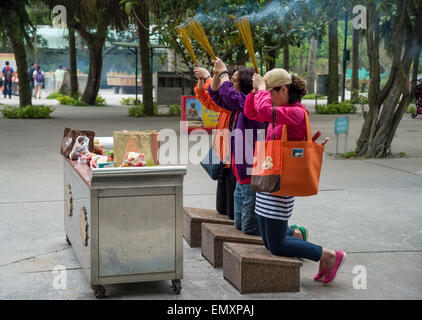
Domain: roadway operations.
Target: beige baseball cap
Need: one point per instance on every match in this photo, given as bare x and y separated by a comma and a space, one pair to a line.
276, 78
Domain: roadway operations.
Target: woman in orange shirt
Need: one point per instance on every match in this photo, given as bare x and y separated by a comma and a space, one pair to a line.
226, 183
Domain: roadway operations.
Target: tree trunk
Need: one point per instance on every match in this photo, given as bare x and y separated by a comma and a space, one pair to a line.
142, 12
333, 79
301, 60
386, 105
271, 59
355, 65
286, 58
311, 72
171, 60
95, 47
94, 75
416, 67
73, 76
14, 32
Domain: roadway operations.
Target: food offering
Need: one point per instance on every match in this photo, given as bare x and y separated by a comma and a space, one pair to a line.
134, 159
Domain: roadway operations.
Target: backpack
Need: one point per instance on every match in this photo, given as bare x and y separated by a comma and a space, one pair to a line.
8, 74
39, 77
30, 73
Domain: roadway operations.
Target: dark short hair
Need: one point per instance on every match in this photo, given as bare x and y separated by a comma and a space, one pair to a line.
244, 76
7, 63
60, 67
297, 89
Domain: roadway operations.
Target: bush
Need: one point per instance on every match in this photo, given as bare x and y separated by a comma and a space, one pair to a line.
411, 109
54, 95
137, 111
336, 108
70, 101
174, 110
129, 101
100, 101
27, 112
312, 97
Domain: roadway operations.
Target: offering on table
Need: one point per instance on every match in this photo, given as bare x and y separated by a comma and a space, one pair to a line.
134, 159
98, 146
85, 157
101, 161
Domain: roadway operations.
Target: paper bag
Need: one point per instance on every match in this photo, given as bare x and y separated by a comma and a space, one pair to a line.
145, 142
69, 138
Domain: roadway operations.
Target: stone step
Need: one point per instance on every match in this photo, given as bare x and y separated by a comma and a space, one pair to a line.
192, 220
253, 269
213, 237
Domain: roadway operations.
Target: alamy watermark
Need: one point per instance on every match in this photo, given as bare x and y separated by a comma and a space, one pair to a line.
360, 19
360, 281
60, 19
60, 278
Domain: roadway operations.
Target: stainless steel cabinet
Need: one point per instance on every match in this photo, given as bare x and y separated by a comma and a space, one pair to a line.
125, 224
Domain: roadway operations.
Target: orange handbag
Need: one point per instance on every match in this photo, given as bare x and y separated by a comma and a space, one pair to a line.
302, 161
266, 170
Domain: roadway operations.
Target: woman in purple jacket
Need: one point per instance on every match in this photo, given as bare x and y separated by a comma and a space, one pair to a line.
231, 95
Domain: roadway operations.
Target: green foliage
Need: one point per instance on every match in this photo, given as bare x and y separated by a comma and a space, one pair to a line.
100, 101
129, 102
411, 109
336, 108
54, 95
312, 97
174, 110
70, 101
27, 112
350, 154
137, 111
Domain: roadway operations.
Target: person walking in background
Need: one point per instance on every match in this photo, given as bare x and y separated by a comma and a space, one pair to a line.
31, 70
7, 82
59, 75
283, 91
38, 76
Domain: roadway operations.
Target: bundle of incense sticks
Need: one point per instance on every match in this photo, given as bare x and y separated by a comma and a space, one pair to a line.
244, 28
197, 32
184, 36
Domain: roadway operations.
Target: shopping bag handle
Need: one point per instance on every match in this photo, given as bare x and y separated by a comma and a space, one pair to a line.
308, 130
273, 131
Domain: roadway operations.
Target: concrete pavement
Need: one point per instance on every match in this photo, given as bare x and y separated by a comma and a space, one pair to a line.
369, 208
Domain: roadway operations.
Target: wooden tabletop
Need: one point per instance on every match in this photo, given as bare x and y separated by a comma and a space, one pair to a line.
83, 170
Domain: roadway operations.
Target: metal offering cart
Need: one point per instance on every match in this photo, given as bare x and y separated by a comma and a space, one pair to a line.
125, 224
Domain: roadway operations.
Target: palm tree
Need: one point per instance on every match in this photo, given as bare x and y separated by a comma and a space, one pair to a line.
92, 18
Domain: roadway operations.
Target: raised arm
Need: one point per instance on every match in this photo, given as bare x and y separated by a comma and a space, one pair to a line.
250, 111
291, 116
204, 97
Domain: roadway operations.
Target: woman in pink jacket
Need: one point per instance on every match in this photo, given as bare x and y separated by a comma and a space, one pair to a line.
285, 92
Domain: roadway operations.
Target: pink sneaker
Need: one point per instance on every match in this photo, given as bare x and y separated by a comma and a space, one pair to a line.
319, 275
331, 272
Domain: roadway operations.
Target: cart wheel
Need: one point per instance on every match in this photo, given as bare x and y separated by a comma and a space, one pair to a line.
99, 291
176, 286
68, 241
414, 115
